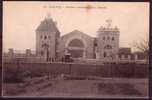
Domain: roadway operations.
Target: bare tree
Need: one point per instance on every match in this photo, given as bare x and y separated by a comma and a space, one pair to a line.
143, 46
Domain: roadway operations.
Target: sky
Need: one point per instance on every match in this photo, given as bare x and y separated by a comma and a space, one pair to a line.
20, 20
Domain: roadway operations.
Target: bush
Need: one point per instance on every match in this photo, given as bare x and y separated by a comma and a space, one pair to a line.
12, 77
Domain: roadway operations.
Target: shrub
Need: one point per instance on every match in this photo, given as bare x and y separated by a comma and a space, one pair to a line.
11, 77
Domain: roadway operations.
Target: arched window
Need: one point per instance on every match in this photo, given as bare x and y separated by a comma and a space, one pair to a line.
108, 47
45, 37
45, 45
113, 38
76, 43
104, 54
42, 53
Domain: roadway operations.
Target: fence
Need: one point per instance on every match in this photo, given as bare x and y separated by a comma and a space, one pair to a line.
12, 70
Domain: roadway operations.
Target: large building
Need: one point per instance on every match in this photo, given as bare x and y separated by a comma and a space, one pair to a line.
47, 38
50, 44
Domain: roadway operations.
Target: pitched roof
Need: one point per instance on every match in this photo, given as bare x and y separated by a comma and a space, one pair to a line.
47, 25
76, 32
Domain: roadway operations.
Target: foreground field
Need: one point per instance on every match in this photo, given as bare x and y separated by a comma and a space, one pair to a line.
92, 88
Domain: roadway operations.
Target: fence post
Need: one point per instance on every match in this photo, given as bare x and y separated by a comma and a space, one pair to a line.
134, 71
69, 69
18, 69
18, 65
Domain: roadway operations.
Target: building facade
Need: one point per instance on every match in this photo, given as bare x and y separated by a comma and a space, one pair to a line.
107, 42
47, 39
78, 44
50, 44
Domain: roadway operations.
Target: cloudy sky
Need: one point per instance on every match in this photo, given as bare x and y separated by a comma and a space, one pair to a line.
20, 19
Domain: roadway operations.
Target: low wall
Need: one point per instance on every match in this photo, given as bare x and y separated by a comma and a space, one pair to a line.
108, 70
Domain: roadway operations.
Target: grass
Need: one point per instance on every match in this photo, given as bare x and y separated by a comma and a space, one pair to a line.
118, 88
48, 87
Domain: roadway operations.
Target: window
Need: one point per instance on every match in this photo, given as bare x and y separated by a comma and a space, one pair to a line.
45, 46
108, 47
105, 54
45, 37
42, 53
76, 43
113, 38
95, 44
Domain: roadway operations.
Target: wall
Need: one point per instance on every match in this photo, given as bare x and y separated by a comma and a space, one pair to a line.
109, 70
87, 40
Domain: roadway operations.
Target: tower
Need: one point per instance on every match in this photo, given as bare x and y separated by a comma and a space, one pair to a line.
108, 42
47, 39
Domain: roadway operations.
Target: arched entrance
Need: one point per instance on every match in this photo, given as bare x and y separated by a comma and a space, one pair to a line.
76, 48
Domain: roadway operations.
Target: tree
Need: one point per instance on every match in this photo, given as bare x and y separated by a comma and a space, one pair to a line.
143, 46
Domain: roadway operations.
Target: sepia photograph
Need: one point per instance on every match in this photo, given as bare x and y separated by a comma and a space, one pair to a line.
75, 49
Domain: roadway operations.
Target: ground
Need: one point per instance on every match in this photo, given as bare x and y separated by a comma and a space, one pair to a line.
94, 88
